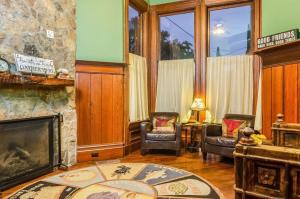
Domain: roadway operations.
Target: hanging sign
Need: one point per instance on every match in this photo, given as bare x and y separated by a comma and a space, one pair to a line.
277, 39
34, 65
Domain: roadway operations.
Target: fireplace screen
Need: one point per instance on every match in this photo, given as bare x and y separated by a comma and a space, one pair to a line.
28, 148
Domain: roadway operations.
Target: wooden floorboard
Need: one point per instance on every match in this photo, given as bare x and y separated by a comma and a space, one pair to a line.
219, 172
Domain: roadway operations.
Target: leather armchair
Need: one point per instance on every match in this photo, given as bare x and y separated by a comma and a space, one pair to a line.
214, 142
161, 140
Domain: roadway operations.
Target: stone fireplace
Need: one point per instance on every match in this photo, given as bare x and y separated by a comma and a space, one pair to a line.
23, 30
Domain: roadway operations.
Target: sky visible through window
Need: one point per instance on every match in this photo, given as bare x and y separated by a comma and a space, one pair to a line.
134, 35
177, 36
230, 31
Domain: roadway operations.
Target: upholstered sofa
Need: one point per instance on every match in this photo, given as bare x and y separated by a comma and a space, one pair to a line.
151, 139
214, 142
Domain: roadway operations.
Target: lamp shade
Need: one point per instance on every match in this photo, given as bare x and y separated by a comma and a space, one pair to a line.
198, 105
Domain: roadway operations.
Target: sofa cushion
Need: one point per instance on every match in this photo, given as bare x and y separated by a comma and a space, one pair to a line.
161, 136
221, 141
164, 124
231, 127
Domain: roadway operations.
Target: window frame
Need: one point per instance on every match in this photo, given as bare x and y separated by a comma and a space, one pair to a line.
235, 5
140, 29
171, 14
143, 8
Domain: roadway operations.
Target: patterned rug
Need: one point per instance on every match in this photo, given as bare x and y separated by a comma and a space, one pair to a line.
120, 181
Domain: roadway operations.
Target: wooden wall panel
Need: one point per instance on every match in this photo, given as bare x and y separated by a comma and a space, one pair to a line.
280, 94
106, 109
83, 82
298, 89
277, 91
117, 108
100, 109
291, 93
96, 99
266, 102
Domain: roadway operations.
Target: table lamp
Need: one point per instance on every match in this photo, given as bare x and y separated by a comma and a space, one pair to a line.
198, 106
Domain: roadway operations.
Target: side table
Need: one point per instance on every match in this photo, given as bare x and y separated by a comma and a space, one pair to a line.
193, 128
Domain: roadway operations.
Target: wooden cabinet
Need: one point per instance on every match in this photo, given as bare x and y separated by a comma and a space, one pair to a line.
100, 111
267, 172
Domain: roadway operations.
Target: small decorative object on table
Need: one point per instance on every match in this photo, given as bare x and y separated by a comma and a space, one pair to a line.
247, 140
63, 73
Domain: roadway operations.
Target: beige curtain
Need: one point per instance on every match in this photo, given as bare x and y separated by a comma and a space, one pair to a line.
229, 86
258, 118
138, 89
175, 87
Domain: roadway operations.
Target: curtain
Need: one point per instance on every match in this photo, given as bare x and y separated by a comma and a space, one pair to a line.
229, 86
258, 118
175, 87
138, 89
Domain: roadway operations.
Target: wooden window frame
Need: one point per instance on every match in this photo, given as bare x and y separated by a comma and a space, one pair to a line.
172, 14
201, 9
228, 6
142, 7
168, 9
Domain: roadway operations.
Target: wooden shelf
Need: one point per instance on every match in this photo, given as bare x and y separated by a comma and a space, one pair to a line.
39, 81
278, 54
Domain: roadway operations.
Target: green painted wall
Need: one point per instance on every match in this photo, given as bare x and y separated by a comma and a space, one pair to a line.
279, 16
100, 30
155, 2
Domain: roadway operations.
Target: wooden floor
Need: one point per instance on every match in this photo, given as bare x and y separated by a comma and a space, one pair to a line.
219, 172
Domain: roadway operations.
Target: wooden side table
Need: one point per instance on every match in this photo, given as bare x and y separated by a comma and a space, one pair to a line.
193, 128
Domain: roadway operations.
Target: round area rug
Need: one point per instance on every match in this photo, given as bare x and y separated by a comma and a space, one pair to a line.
121, 181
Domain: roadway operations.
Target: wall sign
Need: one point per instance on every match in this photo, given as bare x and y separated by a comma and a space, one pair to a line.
34, 65
277, 39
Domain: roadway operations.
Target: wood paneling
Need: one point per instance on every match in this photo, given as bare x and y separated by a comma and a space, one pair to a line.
298, 89
291, 93
277, 91
96, 99
280, 94
117, 108
100, 110
266, 102
83, 82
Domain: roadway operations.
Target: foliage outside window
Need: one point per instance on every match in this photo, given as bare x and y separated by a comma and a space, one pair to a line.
134, 31
177, 36
230, 31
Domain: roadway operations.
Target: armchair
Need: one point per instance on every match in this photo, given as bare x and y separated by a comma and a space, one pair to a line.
151, 139
214, 142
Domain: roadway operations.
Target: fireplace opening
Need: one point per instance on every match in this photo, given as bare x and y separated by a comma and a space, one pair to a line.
28, 148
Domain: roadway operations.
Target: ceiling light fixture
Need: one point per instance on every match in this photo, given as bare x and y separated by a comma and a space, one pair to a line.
218, 29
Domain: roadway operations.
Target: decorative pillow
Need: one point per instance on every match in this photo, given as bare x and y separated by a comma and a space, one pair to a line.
230, 127
164, 124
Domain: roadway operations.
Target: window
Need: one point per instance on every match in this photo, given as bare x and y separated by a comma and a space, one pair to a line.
134, 27
230, 31
177, 36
